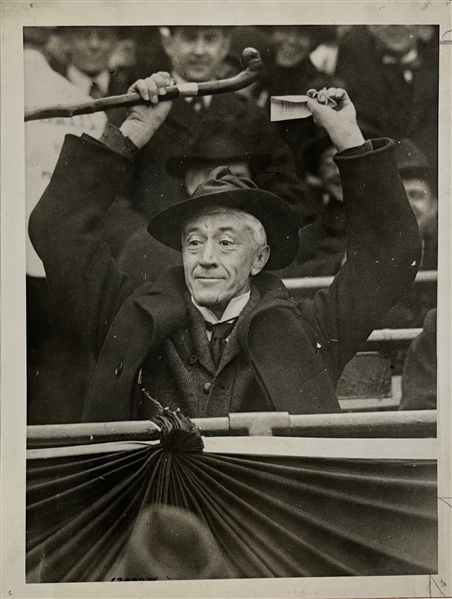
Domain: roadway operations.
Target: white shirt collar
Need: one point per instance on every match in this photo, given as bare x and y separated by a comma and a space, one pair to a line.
84, 82
178, 79
233, 309
406, 60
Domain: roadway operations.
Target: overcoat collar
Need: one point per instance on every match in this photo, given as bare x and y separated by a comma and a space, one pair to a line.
168, 293
167, 298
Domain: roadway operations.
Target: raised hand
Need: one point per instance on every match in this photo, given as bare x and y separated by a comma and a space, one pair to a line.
337, 117
144, 120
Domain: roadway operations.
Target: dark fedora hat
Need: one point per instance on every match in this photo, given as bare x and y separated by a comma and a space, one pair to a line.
215, 145
222, 188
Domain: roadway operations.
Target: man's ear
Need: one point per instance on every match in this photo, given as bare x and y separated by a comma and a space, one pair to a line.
225, 46
260, 260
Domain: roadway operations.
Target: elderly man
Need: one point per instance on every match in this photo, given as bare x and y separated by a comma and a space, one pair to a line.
219, 334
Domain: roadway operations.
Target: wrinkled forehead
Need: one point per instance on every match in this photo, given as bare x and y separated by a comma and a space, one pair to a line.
219, 217
82, 32
194, 32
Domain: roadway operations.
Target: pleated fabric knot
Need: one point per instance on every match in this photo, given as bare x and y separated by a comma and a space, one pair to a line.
178, 432
220, 332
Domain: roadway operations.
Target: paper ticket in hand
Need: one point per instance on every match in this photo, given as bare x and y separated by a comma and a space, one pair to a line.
286, 108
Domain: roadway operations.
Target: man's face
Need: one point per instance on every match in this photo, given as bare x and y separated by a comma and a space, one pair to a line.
292, 45
196, 53
90, 48
422, 201
395, 39
219, 256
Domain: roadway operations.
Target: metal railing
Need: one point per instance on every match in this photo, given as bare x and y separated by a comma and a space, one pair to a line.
316, 283
410, 424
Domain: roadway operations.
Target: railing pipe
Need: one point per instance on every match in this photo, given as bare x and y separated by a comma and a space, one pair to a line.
408, 424
305, 283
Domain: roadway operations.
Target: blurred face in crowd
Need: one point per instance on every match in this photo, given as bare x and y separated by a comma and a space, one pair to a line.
329, 173
197, 53
198, 173
422, 201
292, 45
221, 250
395, 39
90, 48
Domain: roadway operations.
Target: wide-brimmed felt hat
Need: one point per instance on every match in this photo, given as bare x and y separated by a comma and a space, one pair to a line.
215, 145
224, 189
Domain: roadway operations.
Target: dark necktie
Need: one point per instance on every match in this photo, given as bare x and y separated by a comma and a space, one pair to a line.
218, 342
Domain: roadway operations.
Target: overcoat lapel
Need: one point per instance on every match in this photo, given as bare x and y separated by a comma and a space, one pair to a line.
273, 336
141, 325
198, 331
233, 346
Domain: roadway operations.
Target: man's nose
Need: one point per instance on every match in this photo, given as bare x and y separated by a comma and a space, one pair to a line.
200, 46
208, 257
94, 40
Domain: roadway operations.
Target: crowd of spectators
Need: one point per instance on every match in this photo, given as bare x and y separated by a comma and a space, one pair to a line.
390, 73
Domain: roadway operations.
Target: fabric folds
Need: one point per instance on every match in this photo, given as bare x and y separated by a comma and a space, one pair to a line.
142, 513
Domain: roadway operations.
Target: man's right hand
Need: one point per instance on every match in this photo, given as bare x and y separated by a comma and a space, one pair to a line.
144, 120
339, 121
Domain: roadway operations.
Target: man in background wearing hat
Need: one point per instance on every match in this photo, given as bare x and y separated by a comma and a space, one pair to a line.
198, 54
219, 334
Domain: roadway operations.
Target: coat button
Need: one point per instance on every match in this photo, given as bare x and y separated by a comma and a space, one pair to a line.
119, 368
192, 360
207, 388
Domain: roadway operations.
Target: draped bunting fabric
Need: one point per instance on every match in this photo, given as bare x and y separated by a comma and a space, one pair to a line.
171, 511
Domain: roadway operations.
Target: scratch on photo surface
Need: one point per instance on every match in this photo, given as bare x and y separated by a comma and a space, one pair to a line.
430, 580
448, 32
446, 500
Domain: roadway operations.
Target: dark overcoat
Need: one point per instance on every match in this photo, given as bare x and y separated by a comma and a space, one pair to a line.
297, 352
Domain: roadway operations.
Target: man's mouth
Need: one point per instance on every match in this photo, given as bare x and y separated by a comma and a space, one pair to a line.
209, 280
198, 63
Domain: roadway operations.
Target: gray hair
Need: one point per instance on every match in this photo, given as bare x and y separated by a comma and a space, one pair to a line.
251, 222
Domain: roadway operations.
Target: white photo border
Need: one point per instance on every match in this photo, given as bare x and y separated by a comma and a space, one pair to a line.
18, 14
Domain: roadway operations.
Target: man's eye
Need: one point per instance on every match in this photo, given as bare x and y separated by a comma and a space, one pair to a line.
194, 242
189, 36
226, 242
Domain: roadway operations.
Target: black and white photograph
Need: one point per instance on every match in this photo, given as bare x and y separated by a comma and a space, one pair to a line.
234, 279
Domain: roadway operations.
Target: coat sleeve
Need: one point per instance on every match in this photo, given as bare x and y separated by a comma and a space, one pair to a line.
383, 252
83, 278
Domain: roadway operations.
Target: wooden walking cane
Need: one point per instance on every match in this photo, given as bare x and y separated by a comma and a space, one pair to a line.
251, 62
